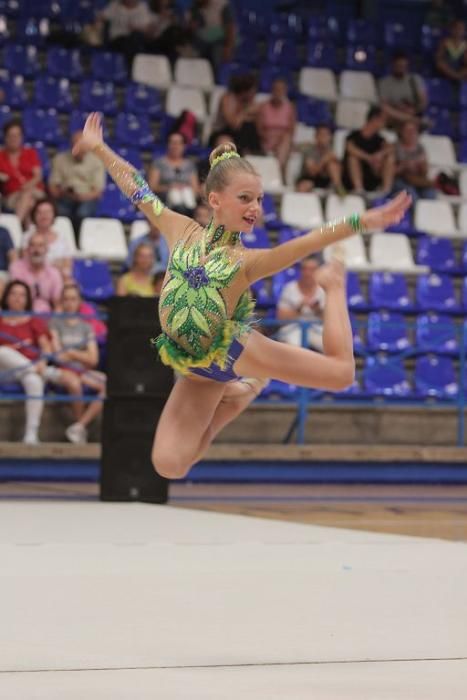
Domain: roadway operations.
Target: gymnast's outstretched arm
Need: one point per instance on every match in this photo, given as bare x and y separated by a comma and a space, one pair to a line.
133, 185
262, 263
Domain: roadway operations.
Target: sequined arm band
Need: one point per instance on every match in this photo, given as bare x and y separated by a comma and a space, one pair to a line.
128, 179
354, 221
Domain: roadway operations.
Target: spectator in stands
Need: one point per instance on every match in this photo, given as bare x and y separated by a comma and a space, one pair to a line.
20, 173
43, 279
59, 248
129, 24
167, 34
76, 183
276, 123
213, 25
238, 112
76, 355
173, 177
303, 299
202, 214
22, 340
439, 14
321, 167
451, 55
7, 256
156, 240
402, 93
412, 164
139, 280
369, 163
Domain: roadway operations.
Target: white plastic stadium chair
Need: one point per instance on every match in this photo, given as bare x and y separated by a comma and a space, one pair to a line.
64, 225
340, 137
357, 85
301, 210
180, 98
338, 207
435, 217
152, 70
13, 224
303, 134
293, 169
318, 82
351, 114
352, 250
269, 170
392, 251
194, 72
138, 228
462, 218
439, 150
103, 238
463, 183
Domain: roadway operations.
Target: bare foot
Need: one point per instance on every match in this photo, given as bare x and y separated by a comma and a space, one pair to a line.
331, 275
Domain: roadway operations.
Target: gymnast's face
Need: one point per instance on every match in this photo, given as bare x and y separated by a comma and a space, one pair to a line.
239, 205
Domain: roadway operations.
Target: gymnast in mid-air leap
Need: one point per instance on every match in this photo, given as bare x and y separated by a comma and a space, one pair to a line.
205, 303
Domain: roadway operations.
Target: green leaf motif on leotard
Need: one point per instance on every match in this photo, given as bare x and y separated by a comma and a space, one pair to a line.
192, 293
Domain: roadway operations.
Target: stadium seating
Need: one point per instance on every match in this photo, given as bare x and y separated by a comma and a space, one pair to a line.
103, 239
13, 224
42, 125
355, 299
15, 92
438, 254
108, 66
94, 279
181, 98
318, 82
338, 207
133, 130
435, 377
301, 210
435, 217
258, 238
357, 85
354, 253
361, 57
154, 71
195, 73
96, 95
386, 376
114, 204
322, 55
436, 333
392, 251
387, 331
141, 99
21, 60
64, 63
351, 114
436, 293
389, 290
52, 93
270, 173
440, 151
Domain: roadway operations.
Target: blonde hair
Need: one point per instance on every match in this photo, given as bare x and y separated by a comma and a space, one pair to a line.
225, 161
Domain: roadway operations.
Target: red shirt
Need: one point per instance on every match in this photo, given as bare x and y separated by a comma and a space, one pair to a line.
23, 337
21, 173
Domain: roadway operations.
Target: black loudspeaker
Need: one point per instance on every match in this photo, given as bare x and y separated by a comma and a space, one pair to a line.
133, 365
127, 473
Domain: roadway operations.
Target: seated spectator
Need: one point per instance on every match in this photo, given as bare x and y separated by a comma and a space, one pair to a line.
22, 340
202, 214
138, 281
173, 177
451, 54
412, 164
276, 123
7, 256
76, 355
76, 183
438, 15
59, 249
129, 24
321, 168
303, 299
20, 173
167, 34
238, 112
156, 240
213, 25
369, 163
403, 95
43, 279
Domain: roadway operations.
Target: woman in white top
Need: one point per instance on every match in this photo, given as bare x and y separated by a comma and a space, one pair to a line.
59, 247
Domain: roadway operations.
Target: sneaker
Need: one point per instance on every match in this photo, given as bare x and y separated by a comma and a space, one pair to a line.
76, 433
30, 437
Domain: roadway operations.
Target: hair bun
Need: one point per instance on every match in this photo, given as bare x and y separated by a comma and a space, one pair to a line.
221, 150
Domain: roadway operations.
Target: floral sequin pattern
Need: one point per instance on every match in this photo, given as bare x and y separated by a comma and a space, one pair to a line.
192, 292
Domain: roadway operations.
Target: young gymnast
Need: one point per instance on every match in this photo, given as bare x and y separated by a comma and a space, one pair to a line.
205, 302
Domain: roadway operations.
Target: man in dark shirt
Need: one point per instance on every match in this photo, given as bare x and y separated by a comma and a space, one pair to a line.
369, 162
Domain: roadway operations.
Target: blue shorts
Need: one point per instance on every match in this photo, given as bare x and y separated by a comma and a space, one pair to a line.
215, 372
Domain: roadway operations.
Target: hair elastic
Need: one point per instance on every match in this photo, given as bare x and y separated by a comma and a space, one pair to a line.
224, 156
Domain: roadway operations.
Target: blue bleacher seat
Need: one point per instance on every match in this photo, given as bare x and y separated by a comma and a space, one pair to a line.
77, 120
269, 73
463, 94
53, 93
43, 155
96, 95
441, 93
42, 125
386, 376
354, 391
251, 22
324, 28
389, 290
362, 31
10, 8
312, 111
355, 298
33, 30
52, 9
436, 293
387, 331
94, 279
133, 130
15, 92
271, 220
462, 154
22, 60
226, 70
283, 52
287, 25
280, 279
436, 333
258, 238
464, 293
400, 36
360, 57
109, 66
322, 55
263, 293
115, 205
247, 53
429, 39
437, 253
442, 122
64, 63
132, 155
435, 377
279, 390
141, 99
359, 346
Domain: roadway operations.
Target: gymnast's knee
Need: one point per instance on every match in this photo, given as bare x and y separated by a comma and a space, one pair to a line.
169, 465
